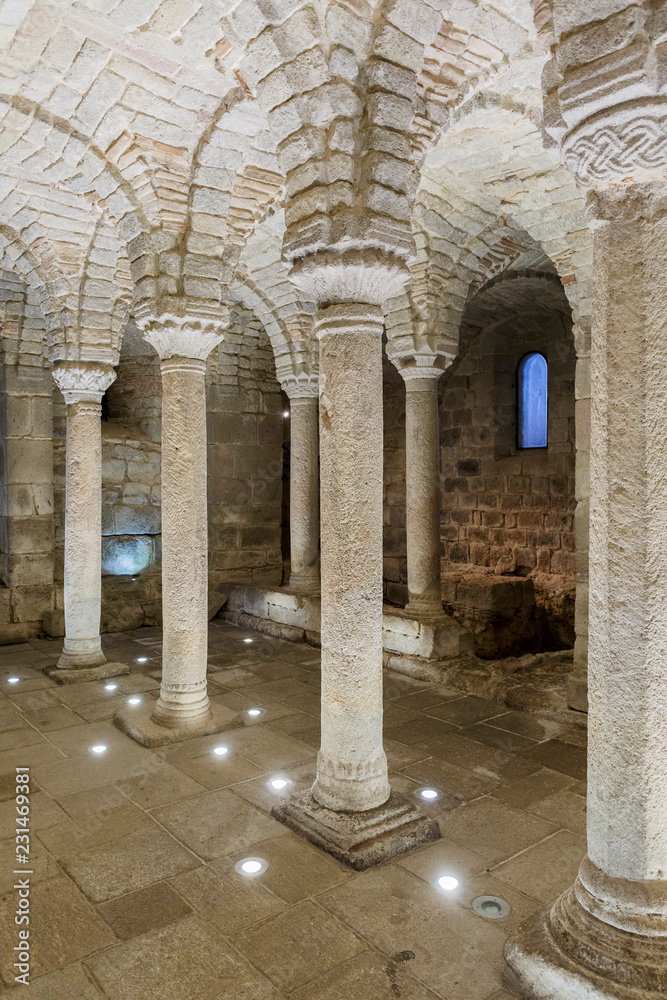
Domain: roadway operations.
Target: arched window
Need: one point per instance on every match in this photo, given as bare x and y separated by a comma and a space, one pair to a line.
532, 401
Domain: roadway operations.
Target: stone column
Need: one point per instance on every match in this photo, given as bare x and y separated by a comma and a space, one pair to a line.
183, 707
351, 795
304, 484
577, 682
422, 489
607, 935
83, 384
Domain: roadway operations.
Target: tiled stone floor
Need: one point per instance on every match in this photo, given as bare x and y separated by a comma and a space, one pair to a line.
135, 895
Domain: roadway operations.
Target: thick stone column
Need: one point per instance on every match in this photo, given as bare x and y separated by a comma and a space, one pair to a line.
351, 810
422, 489
304, 484
183, 707
607, 936
83, 384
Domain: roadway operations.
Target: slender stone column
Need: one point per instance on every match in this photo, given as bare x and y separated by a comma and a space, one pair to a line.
607, 936
183, 707
351, 810
83, 385
304, 484
422, 490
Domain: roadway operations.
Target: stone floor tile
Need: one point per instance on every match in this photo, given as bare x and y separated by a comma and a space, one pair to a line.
24, 736
74, 695
566, 809
75, 742
564, 757
100, 709
499, 739
160, 786
526, 791
236, 677
394, 716
428, 698
78, 773
187, 960
467, 711
54, 717
453, 780
443, 857
95, 827
369, 976
578, 735
70, 983
494, 830
127, 863
401, 754
296, 869
294, 724
271, 670
532, 726
217, 823
396, 912
298, 945
259, 792
144, 910
211, 771
241, 699
419, 730
64, 927
31, 701
487, 761
44, 812
546, 870
32, 756
267, 748
42, 864
226, 899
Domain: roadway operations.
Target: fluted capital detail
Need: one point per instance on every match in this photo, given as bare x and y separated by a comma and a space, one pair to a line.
421, 365
367, 276
182, 333
301, 386
83, 381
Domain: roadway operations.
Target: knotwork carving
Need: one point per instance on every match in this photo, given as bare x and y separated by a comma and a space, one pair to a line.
598, 152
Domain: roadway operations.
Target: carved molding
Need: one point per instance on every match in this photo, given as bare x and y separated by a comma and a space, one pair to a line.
366, 276
182, 336
619, 145
422, 364
83, 381
301, 386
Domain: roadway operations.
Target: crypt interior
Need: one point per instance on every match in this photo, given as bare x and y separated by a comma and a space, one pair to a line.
333, 509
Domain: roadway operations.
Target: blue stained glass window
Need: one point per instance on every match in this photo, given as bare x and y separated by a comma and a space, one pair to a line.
532, 397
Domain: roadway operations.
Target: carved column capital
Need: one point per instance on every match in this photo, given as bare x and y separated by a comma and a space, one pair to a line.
367, 276
83, 381
182, 333
301, 386
421, 365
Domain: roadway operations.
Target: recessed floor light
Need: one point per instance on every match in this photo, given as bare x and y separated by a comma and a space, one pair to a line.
247, 640
428, 794
448, 883
492, 907
142, 659
98, 748
13, 680
279, 783
220, 751
286, 413
254, 712
110, 687
134, 701
251, 866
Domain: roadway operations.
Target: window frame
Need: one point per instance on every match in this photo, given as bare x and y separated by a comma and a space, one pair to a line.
518, 410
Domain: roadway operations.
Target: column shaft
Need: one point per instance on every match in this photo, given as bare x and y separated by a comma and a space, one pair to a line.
83, 536
183, 698
352, 767
422, 493
304, 495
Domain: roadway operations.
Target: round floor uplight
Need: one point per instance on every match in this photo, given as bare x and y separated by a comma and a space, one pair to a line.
110, 687
251, 866
492, 907
448, 883
98, 748
13, 680
254, 713
247, 640
428, 794
134, 701
278, 784
220, 751
142, 659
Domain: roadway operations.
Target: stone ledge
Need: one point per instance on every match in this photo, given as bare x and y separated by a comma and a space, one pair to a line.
138, 723
359, 840
78, 675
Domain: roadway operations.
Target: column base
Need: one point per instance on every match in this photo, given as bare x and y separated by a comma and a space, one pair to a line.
141, 726
425, 611
79, 675
359, 839
577, 691
565, 953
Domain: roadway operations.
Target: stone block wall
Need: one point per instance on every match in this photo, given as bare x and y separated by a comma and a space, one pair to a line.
395, 570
